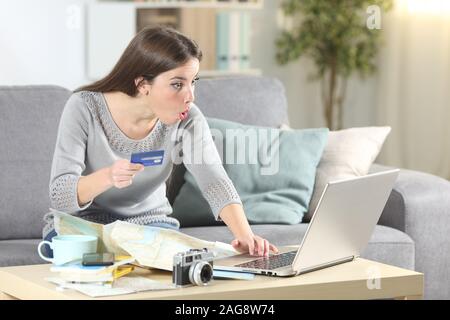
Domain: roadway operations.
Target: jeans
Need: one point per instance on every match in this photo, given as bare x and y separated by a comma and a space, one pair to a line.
163, 225
49, 252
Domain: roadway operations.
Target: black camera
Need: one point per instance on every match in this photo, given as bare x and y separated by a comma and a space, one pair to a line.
193, 267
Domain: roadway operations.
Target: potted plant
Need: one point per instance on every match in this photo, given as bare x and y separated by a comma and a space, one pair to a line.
337, 36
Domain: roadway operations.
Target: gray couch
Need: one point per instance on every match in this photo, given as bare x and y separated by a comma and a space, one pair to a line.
412, 232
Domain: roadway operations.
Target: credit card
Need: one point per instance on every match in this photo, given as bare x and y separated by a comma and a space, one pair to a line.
149, 158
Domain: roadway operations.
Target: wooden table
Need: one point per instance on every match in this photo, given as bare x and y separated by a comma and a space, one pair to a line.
359, 279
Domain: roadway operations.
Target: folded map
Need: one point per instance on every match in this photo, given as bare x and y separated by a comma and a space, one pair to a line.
151, 246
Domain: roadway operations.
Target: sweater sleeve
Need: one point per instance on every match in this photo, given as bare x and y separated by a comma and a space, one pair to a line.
69, 156
202, 160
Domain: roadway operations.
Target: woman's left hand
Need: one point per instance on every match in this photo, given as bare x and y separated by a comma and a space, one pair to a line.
253, 244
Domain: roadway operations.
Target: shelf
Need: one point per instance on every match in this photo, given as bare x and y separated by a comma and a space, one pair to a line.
112, 24
191, 4
226, 73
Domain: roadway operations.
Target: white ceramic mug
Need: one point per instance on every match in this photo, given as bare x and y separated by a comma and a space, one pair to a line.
68, 248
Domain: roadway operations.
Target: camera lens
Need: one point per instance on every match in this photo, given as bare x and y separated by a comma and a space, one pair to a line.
200, 273
206, 274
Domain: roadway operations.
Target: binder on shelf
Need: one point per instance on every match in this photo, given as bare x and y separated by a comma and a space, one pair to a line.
234, 41
222, 40
245, 27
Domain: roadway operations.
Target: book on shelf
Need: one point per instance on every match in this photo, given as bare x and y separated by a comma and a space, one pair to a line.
233, 41
233, 38
245, 38
222, 36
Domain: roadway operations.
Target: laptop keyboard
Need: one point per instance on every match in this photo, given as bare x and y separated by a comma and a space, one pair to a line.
271, 262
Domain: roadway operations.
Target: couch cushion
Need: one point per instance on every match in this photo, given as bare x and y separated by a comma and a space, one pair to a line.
391, 246
349, 153
252, 100
273, 172
386, 245
259, 101
29, 117
19, 252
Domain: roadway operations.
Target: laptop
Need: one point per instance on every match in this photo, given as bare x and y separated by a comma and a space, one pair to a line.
344, 219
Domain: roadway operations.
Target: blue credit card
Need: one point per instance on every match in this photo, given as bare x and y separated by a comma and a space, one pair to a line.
150, 158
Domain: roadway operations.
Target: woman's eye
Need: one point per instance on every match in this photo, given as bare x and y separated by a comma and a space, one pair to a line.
178, 85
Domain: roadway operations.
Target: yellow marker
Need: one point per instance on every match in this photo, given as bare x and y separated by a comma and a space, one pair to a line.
120, 258
121, 271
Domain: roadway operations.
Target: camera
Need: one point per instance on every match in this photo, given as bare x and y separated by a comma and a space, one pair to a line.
193, 267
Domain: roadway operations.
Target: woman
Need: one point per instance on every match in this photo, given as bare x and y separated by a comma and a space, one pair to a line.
145, 103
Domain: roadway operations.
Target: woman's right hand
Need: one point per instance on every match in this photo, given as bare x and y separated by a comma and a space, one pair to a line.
122, 172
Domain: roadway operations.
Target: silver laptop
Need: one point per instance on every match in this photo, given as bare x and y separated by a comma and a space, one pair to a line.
340, 229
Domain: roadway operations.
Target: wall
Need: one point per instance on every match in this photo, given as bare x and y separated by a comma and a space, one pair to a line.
42, 42
305, 109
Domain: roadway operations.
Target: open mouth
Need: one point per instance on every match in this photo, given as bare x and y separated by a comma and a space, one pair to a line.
183, 115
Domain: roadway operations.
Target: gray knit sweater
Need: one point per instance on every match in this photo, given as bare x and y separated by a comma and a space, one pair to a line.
89, 139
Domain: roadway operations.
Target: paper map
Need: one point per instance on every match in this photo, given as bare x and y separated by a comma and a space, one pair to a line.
151, 246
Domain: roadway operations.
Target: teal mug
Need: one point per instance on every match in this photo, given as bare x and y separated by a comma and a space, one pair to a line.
68, 248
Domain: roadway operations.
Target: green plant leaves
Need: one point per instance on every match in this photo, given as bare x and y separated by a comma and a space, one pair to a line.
331, 31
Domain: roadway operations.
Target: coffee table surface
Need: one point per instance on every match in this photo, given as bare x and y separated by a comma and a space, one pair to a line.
359, 279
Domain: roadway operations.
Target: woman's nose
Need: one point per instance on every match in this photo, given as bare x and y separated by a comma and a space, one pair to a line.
190, 96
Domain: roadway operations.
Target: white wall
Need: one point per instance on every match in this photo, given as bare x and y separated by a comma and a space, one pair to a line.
305, 108
43, 42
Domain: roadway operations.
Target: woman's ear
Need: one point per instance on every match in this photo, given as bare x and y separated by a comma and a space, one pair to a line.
142, 86
138, 81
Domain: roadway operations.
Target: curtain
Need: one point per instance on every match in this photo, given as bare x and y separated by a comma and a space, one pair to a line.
414, 86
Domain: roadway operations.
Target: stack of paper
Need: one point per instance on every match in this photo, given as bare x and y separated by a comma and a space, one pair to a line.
104, 281
123, 285
75, 272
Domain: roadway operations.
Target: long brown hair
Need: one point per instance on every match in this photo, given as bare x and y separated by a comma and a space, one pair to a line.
152, 51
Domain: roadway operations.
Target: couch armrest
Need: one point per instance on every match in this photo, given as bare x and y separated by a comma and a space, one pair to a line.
419, 205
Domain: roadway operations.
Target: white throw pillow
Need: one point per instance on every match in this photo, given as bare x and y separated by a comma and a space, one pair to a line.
349, 153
